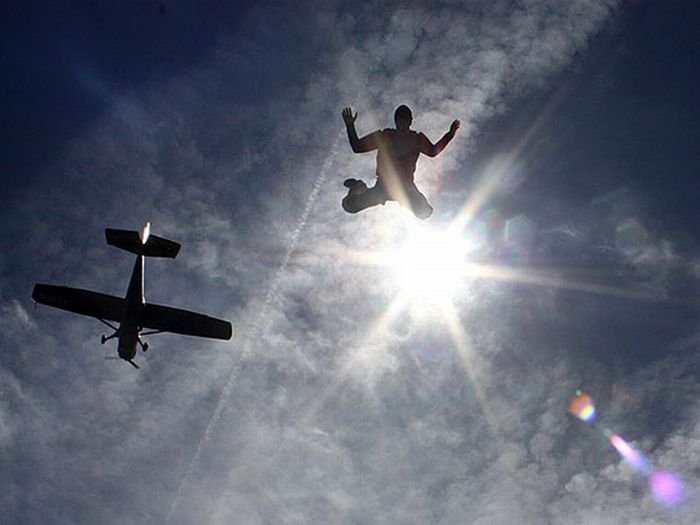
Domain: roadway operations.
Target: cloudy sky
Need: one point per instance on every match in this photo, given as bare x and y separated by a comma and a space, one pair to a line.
358, 388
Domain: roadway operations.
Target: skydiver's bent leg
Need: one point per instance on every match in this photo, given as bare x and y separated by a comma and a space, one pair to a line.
360, 197
417, 202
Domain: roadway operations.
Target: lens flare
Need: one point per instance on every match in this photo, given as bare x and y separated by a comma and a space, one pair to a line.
582, 407
630, 455
666, 488
631, 237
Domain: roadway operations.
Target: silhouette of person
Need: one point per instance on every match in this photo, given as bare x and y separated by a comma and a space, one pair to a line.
397, 153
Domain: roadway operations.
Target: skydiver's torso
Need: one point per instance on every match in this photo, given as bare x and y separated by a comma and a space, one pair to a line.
397, 155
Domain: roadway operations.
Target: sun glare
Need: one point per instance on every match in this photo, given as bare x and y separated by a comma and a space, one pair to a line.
430, 265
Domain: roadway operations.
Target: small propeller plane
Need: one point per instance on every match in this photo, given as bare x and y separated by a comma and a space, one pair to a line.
133, 313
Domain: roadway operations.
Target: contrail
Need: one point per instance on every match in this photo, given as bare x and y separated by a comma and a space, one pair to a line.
258, 329
310, 201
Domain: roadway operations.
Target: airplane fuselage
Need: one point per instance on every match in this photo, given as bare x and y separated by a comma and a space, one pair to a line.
129, 328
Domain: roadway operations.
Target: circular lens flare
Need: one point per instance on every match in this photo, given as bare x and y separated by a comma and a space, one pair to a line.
582, 407
666, 488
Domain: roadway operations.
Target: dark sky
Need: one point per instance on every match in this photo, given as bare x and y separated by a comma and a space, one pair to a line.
126, 45
366, 383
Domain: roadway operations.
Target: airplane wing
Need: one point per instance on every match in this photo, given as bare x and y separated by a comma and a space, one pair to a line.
79, 301
167, 319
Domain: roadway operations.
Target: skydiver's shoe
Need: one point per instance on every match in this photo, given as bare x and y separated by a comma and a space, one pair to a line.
355, 186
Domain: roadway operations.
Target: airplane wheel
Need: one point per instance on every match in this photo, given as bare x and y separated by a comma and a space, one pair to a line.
103, 339
145, 347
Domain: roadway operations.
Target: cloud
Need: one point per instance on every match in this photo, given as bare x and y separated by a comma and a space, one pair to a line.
14, 319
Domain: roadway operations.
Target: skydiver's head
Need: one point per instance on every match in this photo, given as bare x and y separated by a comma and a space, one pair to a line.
403, 117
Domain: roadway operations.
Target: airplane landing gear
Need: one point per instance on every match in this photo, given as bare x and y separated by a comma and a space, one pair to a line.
106, 338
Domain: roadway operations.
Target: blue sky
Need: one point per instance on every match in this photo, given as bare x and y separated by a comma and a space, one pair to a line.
346, 395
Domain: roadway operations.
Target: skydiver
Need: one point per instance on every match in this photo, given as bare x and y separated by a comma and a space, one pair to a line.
397, 154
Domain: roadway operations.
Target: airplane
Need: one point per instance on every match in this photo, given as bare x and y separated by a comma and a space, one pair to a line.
132, 312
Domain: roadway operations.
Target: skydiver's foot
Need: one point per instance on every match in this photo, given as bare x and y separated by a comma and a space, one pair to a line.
355, 186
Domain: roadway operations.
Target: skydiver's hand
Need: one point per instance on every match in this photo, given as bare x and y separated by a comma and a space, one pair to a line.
348, 117
454, 127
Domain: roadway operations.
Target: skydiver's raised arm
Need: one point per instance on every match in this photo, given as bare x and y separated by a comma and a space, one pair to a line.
430, 149
366, 143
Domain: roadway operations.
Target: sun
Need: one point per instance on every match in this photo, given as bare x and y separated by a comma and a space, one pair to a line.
430, 266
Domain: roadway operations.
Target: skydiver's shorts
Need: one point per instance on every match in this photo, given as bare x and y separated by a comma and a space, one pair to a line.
407, 195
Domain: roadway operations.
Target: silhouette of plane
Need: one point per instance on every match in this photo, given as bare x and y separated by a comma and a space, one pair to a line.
133, 313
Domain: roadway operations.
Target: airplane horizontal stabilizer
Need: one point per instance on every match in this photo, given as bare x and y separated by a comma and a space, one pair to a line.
130, 241
84, 302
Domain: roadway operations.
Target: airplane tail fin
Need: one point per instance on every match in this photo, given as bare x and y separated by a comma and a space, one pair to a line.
144, 244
